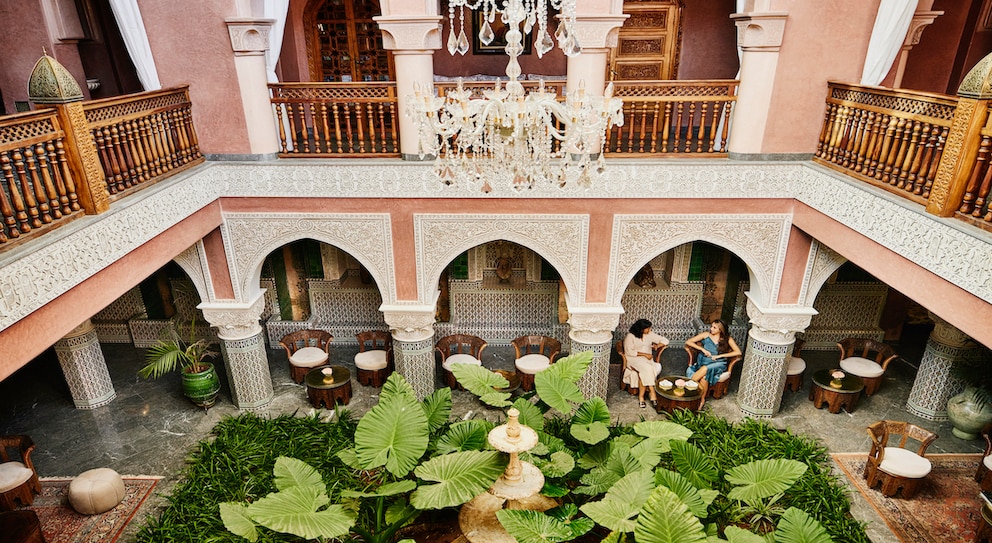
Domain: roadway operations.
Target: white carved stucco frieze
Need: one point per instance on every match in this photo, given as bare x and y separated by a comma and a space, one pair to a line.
592, 327
234, 320
250, 237
823, 262
759, 240
562, 240
777, 326
413, 324
193, 261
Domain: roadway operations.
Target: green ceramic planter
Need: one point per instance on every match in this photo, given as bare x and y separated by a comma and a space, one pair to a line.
202, 387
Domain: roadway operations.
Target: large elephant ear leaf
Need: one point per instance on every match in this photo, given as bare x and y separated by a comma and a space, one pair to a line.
530, 414
295, 511
437, 408
590, 423
483, 383
624, 500
740, 535
460, 476
665, 519
693, 463
663, 430
236, 520
763, 478
684, 489
396, 384
393, 434
796, 526
533, 526
556, 385
290, 472
466, 435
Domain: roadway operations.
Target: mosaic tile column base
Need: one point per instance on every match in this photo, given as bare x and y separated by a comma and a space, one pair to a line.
762, 378
248, 371
414, 360
596, 381
84, 368
934, 384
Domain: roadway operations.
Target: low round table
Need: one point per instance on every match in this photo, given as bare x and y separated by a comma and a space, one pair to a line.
328, 393
846, 395
668, 401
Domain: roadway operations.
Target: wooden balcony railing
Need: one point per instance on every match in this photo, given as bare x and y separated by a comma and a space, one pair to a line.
667, 118
336, 119
975, 205
37, 187
142, 136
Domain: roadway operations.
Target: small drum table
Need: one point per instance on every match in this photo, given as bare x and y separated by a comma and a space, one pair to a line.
328, 389
846, 395
669, 400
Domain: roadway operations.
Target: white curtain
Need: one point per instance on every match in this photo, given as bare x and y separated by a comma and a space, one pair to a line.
891, 24
136, 40
275, 9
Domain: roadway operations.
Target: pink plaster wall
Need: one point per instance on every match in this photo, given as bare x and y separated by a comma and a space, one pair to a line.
709, 40
191, 46
824, 40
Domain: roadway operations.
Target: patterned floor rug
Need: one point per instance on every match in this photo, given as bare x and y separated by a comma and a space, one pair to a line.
61, 524
946, 510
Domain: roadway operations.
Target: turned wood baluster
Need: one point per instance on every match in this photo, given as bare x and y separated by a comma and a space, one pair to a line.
337, 126
349, 129
360, 126
728, 110
865, 144
854, 138
175, 142
304, 130
40, 190
883, 153
631, 131
325, 130
914, 158
119, 139
282, 127
897, 178
836, 129
697, 135
148, 143
875, 148
666, 127
655, 120
932, 172
393, 125
133, 168
679, 109
14, 218
194, 143
384, 144
293, 131
821, 144
712, 126
30, 204
101, 152
131, 129
845, 136
181, 137
980, 168
116, 182
159, 145
139, 150
53, 193
642, 133
929, 149
981, 196
66, 174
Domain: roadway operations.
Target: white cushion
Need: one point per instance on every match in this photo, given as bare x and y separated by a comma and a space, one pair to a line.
532, 363
796, 365
630, 376
987, 461
13, 475
371, 360
904, 463
308, 357
862, 367
725, 376
460, 359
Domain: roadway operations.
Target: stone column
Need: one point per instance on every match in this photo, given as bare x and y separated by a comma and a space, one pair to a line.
770, 340
934, 383
759, 35
596, 34
84, 367
413, 345
592, 330
243, 348
249, 40
413, 40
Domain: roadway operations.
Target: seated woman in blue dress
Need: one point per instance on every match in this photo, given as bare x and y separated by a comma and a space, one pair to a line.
716, 348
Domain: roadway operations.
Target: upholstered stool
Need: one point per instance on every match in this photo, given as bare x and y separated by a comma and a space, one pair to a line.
461, 358
18, 483
373, 367
527, 366
868, 370
96, 491
795, 374
305, 360
900, 468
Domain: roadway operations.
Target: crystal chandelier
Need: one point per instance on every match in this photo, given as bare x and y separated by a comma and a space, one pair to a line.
507, 135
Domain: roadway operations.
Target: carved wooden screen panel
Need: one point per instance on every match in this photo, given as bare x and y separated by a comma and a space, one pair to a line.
344, 43
648, 43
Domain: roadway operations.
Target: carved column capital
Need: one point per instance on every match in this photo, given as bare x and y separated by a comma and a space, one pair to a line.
946, 334
410, 33
760, 31
235, 320
249, 37
777, 325
410, 323
598, 31
921, 20
593, 326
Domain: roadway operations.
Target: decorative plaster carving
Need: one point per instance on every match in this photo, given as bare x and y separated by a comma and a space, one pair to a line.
562, 240
760, 31
777, 326
599, 32
250, 237
593, 326
945, 333
822, 263
406, 33
249, 36
235, 321
921, 20
759, 240
193, 261
95, 178
410, 324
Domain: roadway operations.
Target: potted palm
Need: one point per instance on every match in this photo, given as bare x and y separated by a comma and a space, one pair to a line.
971, 411
199, 377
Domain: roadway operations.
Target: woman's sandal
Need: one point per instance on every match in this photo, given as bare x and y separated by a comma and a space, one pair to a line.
643, 405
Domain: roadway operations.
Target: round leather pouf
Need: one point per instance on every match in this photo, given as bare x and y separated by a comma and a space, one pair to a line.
96, 491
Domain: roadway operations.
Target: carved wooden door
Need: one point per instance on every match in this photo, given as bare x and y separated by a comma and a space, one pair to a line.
648, 43
344, 43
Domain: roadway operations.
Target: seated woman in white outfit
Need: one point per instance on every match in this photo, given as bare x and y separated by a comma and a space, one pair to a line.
637, 348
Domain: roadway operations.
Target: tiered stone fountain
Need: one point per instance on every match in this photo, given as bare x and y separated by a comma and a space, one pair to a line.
518, 488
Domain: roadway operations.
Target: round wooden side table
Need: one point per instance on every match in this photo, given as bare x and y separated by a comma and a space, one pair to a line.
669, 400
328, 388
846, 395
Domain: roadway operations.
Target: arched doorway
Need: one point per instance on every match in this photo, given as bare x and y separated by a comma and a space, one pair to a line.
344, 43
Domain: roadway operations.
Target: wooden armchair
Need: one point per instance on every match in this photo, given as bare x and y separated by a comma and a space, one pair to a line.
984, 474
893, 465
306, 350
534, 354
459, 349
866, 358
796, 370
18, 478
629, 379
722, 386
374, 360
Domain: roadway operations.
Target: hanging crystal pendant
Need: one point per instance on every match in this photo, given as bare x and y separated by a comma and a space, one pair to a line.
544, 44
571, 47
462, 43
452, 42
486, 35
